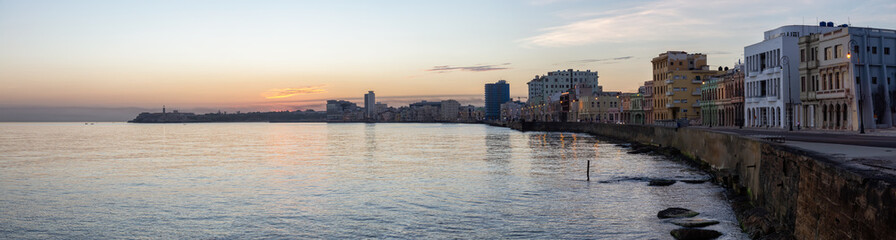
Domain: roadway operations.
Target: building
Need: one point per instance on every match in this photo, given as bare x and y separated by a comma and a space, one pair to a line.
424, 111
648, 102
450, 111
541, 88
495, 94
846, 79
511, 111
609, 107
772, 76
584, 105
722, 98
370, 105
340, 110
677, 77
633, 107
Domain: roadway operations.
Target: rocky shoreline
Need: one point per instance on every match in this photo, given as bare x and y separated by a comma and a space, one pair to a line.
754, 221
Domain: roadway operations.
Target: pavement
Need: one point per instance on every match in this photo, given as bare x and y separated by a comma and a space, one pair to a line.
879, 138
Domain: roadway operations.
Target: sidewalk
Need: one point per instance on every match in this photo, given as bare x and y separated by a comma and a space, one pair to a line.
889, 132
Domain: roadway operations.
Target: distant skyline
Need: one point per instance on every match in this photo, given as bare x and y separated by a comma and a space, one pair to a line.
288, 55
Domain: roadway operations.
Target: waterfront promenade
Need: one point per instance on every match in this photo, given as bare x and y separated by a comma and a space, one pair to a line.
885, 139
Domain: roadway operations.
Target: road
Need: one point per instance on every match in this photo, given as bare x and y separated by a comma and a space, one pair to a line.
836, 138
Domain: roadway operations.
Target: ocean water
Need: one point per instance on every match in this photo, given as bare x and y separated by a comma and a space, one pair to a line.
337, 180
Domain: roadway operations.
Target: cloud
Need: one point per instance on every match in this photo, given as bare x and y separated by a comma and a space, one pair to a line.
474, 68
665, 20
289, 92
602, 60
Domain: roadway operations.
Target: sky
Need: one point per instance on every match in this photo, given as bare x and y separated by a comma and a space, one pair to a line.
113, 59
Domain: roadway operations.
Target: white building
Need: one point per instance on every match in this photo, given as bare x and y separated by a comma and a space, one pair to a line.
541, 88
771, 81
370, 105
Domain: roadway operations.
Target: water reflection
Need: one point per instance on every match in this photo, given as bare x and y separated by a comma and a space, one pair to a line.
349, 180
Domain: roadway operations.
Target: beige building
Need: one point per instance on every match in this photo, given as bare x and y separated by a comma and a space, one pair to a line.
677, 77
846, 79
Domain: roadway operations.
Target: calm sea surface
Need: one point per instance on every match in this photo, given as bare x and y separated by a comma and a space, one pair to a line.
317, 180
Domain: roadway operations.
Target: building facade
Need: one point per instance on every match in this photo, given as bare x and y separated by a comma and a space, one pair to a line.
541, 88
722, 98
846, 79
370, 105
772, 76
632, 108
677, 77
495, 94
450, 111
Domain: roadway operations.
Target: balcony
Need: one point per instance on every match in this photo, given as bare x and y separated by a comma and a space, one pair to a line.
835, 93
808, 65
669, 105
696, 93
805, 96
648, 94
695, 105
697, 81
669, 93
669, 81
771, 98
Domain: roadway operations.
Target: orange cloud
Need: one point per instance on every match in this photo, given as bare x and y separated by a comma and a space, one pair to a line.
289, 92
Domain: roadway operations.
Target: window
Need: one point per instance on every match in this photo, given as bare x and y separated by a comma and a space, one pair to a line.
802, 84
873, 80
827, 53
886, 51
838, 51
802, 55
873, 50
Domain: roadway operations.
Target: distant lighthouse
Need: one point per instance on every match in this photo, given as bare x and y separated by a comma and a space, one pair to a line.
163, 108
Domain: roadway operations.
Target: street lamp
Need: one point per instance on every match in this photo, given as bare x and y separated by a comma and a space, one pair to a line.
852, 43
786, 61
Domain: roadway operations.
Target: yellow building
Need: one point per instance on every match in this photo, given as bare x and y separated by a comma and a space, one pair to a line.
677, 77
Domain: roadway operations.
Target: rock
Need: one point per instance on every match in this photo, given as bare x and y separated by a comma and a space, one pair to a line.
695, 181
639, 151
660, 182
694, 222
676, 213
694, 234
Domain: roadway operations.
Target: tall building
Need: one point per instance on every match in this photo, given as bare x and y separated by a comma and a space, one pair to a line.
541, 88
772, 76
846, 79
677, 77
495, 94
370, 105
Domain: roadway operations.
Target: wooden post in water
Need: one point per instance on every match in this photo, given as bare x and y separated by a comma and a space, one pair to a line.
588, 171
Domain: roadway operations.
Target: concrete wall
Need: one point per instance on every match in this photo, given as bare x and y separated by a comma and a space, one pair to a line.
808, 194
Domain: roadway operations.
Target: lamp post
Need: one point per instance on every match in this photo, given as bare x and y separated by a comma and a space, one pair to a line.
852, 42
786, 62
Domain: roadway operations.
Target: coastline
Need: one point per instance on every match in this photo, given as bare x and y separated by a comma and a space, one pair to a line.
777, 191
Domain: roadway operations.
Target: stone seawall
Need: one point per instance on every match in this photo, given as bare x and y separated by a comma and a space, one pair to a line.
806, 194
